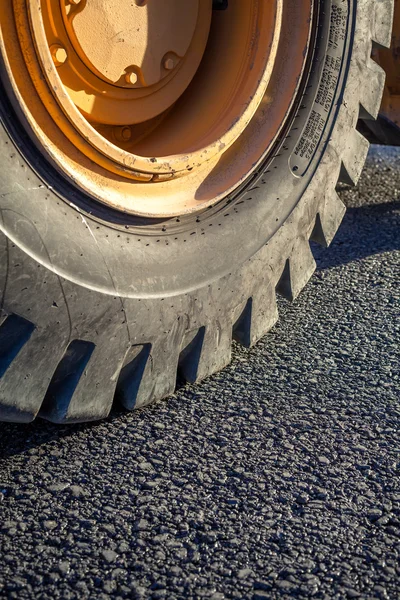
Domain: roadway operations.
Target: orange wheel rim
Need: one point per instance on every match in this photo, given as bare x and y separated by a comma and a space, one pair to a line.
174, 108
389, 58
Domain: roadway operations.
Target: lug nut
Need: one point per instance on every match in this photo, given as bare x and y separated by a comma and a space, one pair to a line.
131, 78
122, 134
169, 63
59, 54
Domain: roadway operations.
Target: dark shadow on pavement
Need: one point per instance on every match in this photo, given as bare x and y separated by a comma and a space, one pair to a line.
365, 231
16, 438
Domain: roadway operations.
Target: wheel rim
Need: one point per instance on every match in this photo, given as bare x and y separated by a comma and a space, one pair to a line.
389, 58
156, 136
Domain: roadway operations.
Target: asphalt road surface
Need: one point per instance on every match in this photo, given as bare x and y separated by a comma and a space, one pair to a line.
279, 477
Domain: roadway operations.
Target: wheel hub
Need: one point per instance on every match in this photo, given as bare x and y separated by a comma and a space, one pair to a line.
131, 44
123, 62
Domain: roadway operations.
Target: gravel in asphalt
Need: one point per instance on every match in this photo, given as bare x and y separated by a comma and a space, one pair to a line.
278, 477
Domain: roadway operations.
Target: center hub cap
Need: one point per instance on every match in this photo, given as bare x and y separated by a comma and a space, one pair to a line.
132, 44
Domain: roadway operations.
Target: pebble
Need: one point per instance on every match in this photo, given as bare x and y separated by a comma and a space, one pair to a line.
374, 514
260, 595
50, 525
77, 491
64, 567
141, 525
109, 555
244, 573
302, 498
58, 487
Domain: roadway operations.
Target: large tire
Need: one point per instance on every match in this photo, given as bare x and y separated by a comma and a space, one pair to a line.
95, 308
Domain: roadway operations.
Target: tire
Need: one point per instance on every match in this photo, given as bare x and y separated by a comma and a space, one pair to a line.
99, 306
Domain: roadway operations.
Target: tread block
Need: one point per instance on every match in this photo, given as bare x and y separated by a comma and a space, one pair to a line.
83, 386
382, 23
216, 351
328, 220
159, 375
153, 376
24, 383
297, 271
15, 331
353, 158
371, 95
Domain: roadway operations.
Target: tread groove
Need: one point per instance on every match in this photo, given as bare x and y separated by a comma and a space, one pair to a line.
189, 358
318, 235
328, 220
284, 285
242, 328
15, 331
131, 375
67, 375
